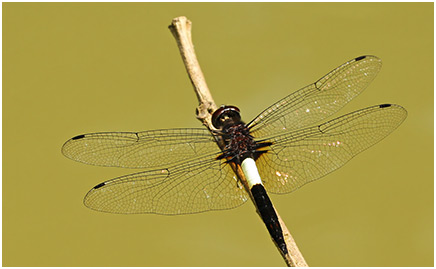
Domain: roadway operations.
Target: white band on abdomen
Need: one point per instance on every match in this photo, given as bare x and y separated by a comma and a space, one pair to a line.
250, 171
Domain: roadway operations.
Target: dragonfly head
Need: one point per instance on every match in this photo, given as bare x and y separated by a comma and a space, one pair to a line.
226, 116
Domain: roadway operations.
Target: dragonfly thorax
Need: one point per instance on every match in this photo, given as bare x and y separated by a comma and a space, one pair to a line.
239, 143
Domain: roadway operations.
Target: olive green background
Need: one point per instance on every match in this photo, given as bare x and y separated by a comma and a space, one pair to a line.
73, 68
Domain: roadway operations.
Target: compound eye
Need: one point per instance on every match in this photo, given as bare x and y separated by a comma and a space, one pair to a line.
225, 115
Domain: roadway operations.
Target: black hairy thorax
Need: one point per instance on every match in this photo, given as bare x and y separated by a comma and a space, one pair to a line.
239, 143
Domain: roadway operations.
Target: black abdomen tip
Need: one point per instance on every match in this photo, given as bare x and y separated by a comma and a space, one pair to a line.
78, 137
360, 58
99, 185
385, 105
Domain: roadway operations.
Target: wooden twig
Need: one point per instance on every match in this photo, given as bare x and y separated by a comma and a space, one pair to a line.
181, 29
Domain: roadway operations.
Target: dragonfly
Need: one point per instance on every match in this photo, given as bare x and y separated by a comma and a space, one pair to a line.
285, 147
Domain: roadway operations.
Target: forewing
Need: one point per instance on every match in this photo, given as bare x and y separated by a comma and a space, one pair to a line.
149, 149
302, 156
319, 100
191, 187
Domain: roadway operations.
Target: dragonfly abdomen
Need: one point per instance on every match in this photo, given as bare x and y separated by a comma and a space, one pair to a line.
263, 203
269, 215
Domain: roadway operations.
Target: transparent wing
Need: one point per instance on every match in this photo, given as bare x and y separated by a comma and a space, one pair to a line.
149, 149
319, 100
191, 187
302, 156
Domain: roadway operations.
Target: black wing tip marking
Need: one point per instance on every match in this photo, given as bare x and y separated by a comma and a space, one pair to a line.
319, 129
99, 186
368, 57
384, 105
78, 137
